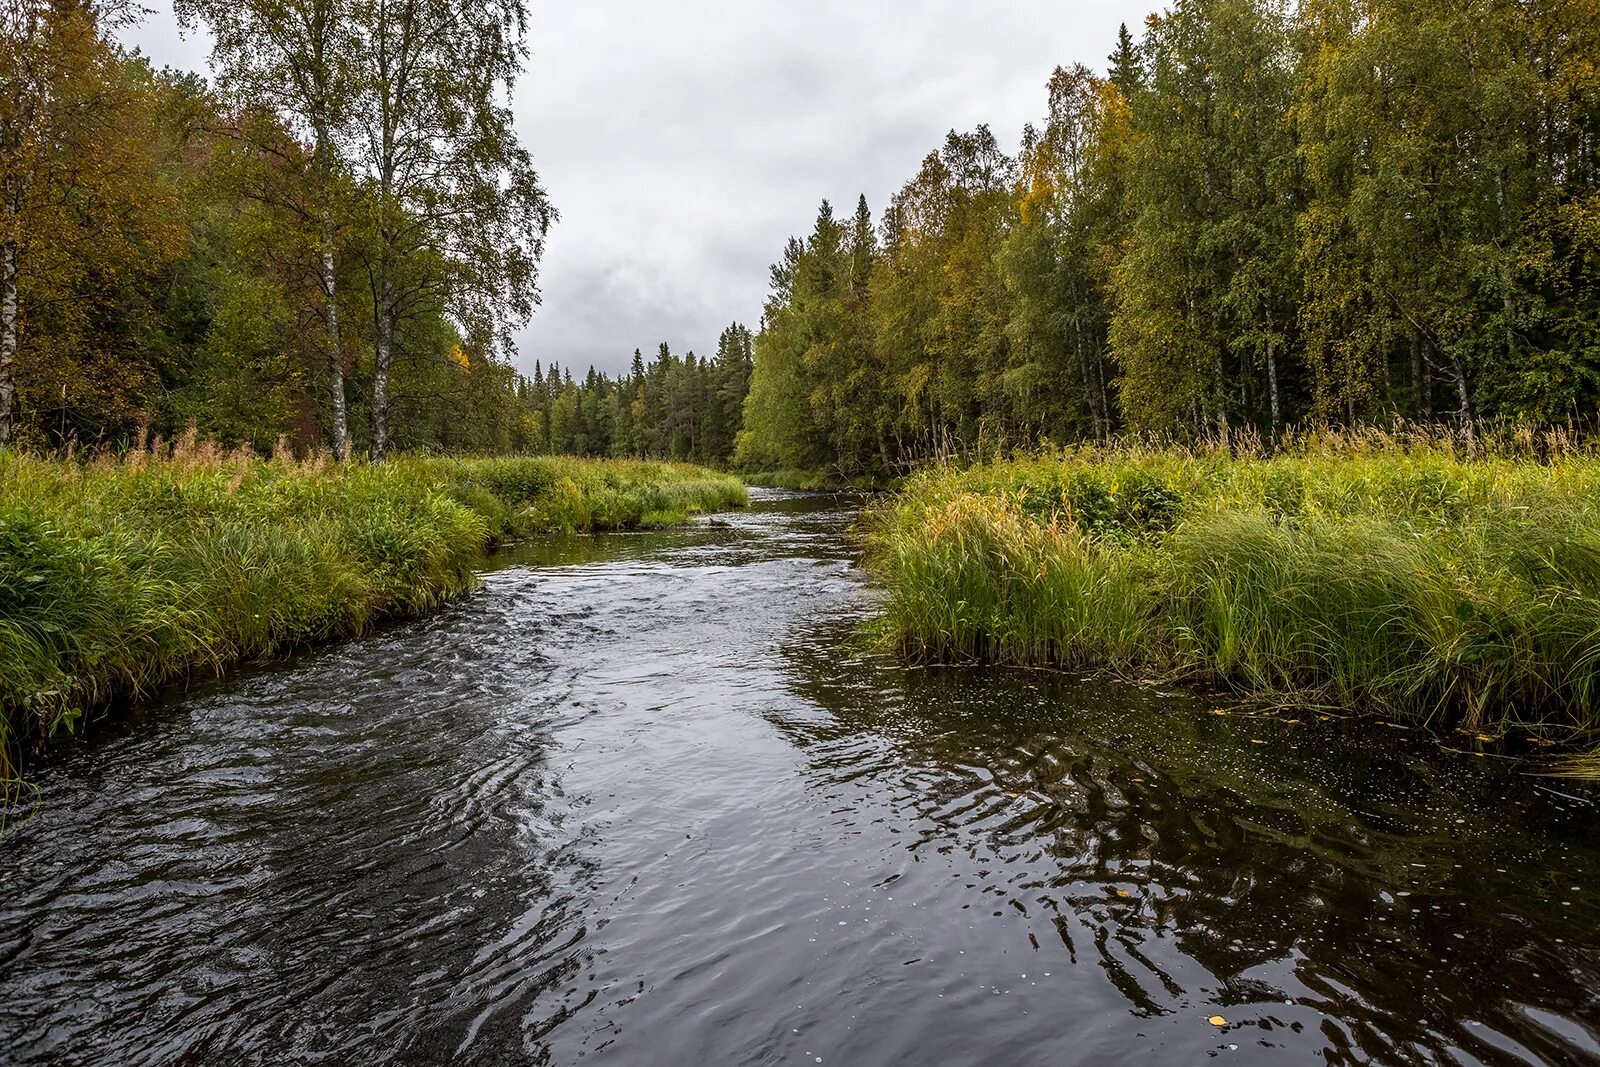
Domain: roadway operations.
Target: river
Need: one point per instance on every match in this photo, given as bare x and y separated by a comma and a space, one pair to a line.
649, 799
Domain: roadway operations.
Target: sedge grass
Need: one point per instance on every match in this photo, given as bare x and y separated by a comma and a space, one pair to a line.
1419, 583
120, 574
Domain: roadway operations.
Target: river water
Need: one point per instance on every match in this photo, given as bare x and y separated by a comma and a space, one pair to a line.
648, 800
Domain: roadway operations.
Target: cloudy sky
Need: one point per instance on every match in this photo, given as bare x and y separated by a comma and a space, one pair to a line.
683, 142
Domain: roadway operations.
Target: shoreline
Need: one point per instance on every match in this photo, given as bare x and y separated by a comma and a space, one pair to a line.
1424, 589
121, 576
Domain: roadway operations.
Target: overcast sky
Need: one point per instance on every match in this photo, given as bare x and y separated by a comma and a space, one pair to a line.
684, 142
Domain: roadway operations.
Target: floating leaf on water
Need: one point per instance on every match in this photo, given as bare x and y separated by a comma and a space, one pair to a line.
1257, 741
1123, 893
1217, 1020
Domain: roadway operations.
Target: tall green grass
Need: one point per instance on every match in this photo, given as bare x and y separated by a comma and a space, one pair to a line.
121, 574
1417, 583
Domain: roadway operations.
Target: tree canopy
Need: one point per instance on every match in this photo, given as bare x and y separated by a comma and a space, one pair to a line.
1341, 211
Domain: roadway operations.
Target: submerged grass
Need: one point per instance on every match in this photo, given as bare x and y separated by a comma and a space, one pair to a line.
121, 574
1414, 583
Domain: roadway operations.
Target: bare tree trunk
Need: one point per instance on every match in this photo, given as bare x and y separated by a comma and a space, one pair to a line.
1105, 394
8, 337
380, 368
339, 430
1419, 379
1219, 388
1463, 394
1272, 390
1466, 402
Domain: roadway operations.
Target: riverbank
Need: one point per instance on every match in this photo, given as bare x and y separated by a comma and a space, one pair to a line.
1416, 585
813, 481
120, 575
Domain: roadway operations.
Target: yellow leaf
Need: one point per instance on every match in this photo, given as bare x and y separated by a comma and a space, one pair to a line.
1217, 1020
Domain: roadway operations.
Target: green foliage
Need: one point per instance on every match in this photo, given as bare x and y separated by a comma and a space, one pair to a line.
1412, 583
1268, 214
671, 408
119, 575
184, 255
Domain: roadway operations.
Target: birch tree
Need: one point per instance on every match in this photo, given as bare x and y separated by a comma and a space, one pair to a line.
294, 59
458, 215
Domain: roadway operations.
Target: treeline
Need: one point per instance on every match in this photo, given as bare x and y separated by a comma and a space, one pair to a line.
675, 408
333, 242
1343, 211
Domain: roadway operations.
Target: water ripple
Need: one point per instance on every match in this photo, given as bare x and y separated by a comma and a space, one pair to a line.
645, 799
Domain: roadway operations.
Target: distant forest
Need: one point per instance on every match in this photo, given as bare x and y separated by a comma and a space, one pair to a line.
1342, 212
673, 407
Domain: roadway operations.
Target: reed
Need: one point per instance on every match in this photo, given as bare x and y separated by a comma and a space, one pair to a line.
122, 573
1416, 579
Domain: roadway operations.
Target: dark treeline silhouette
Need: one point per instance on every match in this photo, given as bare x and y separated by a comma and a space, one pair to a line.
1341, 211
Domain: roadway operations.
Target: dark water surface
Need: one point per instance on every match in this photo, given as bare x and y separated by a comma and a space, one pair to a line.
642, 800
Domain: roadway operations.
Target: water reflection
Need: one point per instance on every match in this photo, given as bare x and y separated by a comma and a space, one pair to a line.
1348, 890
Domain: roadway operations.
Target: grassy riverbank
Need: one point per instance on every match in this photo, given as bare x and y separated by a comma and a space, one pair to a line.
1411, 583
117, 576
812, 481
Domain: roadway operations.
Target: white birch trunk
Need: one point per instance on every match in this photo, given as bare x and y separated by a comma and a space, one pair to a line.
8, 337
339, 430
380, 368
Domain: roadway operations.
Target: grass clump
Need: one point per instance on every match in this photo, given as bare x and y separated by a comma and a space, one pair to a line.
120, 574
1417, 583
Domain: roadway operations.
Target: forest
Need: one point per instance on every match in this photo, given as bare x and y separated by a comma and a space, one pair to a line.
1262, 215
675, 408
330, 244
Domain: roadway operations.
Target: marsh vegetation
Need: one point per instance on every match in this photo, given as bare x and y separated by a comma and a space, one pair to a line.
123, 573
1411, 582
